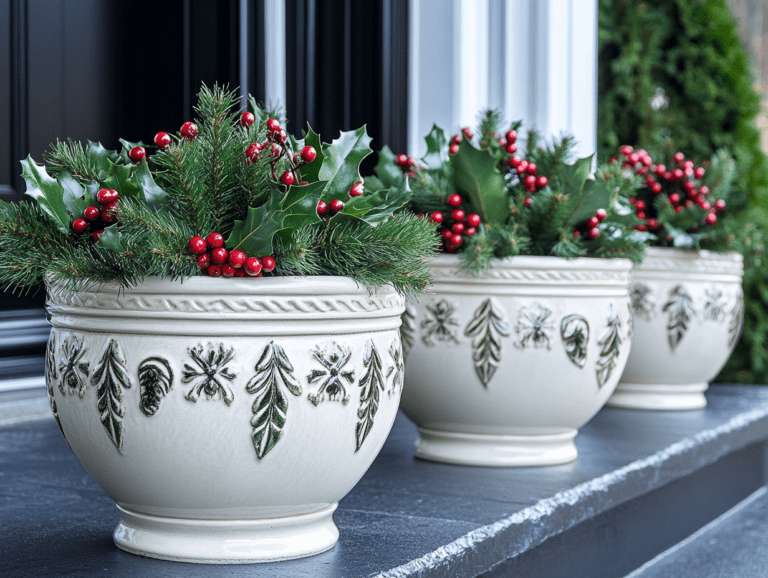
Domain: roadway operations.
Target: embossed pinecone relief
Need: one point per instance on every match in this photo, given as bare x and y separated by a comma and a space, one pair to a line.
73, 369
486, 328
155, 381
534, 327
440, 324
610, 344
680, 310
714, 308
574, 329
211, 374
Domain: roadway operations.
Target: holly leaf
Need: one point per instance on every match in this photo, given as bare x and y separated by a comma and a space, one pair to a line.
153, 194
436, 143
119, 178
99, 156
573, 177
311, 171
127, 146
48, 193
584, 201
111, 240
389, 173
255, 234
74, 194
374, 208
301, 204
372, 183
341, 162
476, 174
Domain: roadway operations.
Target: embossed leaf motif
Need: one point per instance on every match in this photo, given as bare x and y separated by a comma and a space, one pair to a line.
155, 380
534, 326
397, 370
72, 369
371, 384
333, 358
714, 308
574, 330
408, 329
610, 343
110, 378
487, 327
442, 325
211, 374
736, 322
680, 310
274, 373
641, 297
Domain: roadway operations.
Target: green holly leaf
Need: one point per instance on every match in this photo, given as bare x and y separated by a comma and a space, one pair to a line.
48, 193
111, 240
573, 177
373, 183
585, 200
99, 156
374, 208
153, 194
389, 173
127, 146
74, 195
119, 178
311, 171
477, 175
255, 234
436, 144
341, 162
301, 204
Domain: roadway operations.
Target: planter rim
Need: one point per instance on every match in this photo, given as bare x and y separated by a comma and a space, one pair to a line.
677, 253
538, 262
703, 265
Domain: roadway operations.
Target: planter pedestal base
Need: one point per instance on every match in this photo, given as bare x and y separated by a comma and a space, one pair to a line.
226, 541
496, 450
660, 397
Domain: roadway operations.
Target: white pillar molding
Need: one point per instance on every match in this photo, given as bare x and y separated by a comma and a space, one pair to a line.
534, 60
274, 54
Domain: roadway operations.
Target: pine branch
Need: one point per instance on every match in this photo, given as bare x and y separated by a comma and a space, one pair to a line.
71, 157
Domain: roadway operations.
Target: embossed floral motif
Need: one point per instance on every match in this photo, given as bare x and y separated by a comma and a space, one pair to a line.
397, 370
680, 310
641, 297
610, 343
408, 329
371, 384
333, 357
488, 325
110, 377
73, 371
441, 324
211, 374
736, 323
534, 327
714, 308
574, 330
155, 381
274, 375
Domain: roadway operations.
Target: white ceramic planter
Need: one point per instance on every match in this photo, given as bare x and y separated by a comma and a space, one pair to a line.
689, 310
503, 369
226, 417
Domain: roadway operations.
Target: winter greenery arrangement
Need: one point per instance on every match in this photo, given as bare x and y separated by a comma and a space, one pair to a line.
232, 194
489, 202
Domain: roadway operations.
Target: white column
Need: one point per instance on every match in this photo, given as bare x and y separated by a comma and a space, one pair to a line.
534, 60
274, 52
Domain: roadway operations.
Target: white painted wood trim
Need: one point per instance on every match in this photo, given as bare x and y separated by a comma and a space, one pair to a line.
274, 51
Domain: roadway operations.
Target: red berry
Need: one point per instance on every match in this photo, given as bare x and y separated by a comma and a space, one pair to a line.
704, 190
527, 202
593, 233
467, 133
698, 172
453, 200
511, 148
136, 154
601, 215
357, 189
336, 205
455, 139
109, 213
633, 158
641, 215
308, 154
641, 227
688, 203
456, 240
273, 125
214, 241
282, 136
252, 266
592, 222
511, 136
214, 271
626, 150
674, 198
453, 149
275, 150
678, 157
246, 119
203, 260
402, 159
79, 226
437, 217
473, 220
457, 215
656, 188
410, 162
531, 168
719, 204
447, 234
688, 171
103, 197
188, 130
322, 208
91, 214
529, 181
96, 234
227, 270
240, 273
252, 152
653, 224
302, 183
287, 178
705, 205
640, 205
711, 219
162, 139
678, 209
514, 162
219, 256
237, 258
542, 182
522, 166
268, 263
677, 174
468, 232
660, 170
688, 186
457, 228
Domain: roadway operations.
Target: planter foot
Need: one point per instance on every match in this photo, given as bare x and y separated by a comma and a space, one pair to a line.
496, 450
226, 541
659, 397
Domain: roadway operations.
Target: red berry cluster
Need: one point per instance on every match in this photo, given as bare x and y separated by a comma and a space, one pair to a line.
406, 163
680, 183
217, 261
456, 224
276, 145
589, 228
95, 218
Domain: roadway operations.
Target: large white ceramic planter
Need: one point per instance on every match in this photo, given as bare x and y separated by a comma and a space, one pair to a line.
503, 369
689, 310
226, 417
